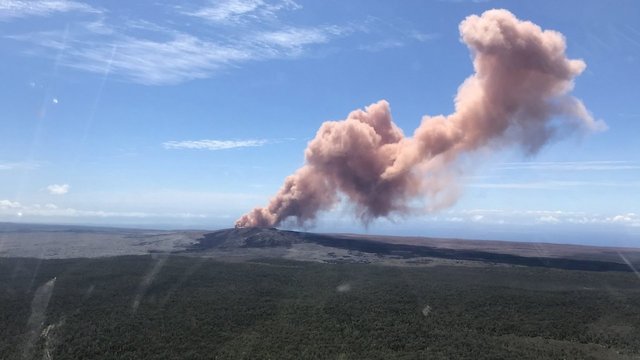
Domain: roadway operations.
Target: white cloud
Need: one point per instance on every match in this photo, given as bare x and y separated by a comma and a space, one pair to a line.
25, 8
9, 208
297, 37
424, 37
548, 219
151, 206
384, 34
382, 45
172, 57
160, 206
150, 53
150, 62
213, 144
227, 11
404, 38
58, 189
628, 219
8, 204
23, 165
500, 216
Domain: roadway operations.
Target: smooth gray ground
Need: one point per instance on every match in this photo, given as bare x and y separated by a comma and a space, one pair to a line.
59, 242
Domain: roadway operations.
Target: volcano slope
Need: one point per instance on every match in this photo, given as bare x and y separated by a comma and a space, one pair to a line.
247, 243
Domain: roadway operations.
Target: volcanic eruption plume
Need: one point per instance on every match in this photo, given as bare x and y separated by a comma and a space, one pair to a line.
518, 96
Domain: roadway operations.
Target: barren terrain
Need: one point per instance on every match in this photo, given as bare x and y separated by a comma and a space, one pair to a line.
59, 242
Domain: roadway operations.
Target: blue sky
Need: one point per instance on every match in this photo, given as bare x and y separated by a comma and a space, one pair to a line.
186, 115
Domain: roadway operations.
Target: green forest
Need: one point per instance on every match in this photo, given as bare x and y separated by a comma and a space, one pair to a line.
179, 307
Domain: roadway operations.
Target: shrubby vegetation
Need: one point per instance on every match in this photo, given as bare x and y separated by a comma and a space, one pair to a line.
193, 308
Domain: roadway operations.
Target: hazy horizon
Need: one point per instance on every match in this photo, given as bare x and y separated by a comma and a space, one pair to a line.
590, 236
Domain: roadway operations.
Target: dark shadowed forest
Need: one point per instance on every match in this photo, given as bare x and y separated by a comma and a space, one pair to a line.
157, 307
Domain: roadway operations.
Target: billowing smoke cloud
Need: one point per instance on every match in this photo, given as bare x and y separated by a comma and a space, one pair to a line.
518, 96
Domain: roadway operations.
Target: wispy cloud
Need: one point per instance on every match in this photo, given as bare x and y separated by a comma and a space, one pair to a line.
58, 189
423, 37
169, 56
151, 205
232, 33
233, 11
214, 144
183, 57
20, 165
390, 35
25, 8
549, 217
572, 165
465, 1
296, 37
8, 204
629, 115
554, 184
16, 209
382, 45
